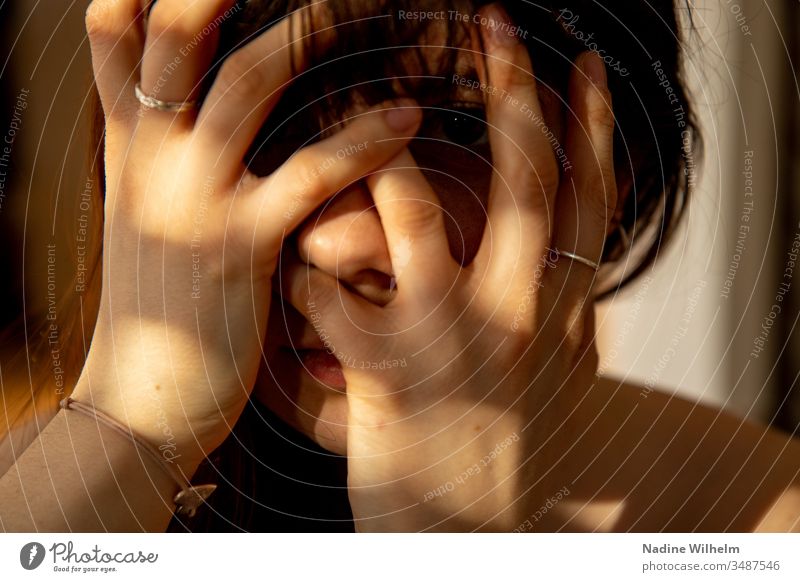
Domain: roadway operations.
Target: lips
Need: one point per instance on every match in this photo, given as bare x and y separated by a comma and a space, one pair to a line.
323, 367
300, 344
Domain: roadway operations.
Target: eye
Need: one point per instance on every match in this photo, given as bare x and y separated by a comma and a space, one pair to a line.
459, 122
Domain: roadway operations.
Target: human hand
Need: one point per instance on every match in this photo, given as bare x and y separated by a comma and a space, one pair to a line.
191, 237
454, 385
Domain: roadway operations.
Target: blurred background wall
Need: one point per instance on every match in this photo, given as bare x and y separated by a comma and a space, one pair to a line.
701, 324
717, 319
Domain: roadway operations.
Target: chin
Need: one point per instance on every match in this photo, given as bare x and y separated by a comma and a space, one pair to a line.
288, 389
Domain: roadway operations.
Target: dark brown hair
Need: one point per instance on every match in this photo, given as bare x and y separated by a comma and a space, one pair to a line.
657, 145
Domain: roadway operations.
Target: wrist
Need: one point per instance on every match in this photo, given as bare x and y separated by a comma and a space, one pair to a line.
187, 497
147, 417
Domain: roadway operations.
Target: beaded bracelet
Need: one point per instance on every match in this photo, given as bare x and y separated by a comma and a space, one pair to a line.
189, 498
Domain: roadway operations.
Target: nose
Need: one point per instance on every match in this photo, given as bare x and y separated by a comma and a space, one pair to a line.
346, 240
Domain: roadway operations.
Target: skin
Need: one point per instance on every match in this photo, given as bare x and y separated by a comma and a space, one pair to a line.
396, 417
630, 463
670, 459
170, 360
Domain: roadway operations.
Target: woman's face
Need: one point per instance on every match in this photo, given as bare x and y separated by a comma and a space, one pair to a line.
300, 381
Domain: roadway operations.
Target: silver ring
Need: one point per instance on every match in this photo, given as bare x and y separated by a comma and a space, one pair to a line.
583, 260
169, 106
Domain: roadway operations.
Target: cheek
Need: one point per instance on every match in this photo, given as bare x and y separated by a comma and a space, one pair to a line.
461, 181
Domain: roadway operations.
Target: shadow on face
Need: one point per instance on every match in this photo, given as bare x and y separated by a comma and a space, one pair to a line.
344, 237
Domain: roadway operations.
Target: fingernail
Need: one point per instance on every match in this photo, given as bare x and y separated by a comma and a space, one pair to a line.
496, 26
402, 115
595, 69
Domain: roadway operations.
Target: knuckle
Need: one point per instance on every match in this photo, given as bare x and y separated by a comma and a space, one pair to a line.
533, 165
304, 171
601, 201
574, 330
599, 211
419, 217
599, 112
242, 75
168, 18
98, 20
512, 70
545, 173
518, 81
538, 173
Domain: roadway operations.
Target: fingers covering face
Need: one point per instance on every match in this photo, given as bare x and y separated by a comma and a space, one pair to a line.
248, 87
587, 197
413, 223
526, 173
536, 203
284, 200
522, 202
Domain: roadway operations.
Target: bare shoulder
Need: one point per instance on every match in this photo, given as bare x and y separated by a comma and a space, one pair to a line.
12, 443
15, 440
650, 461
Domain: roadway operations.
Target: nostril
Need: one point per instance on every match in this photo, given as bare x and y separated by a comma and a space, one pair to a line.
345, 239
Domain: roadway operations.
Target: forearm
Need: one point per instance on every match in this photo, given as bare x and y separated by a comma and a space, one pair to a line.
81, 476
